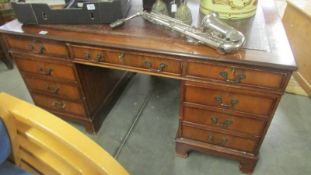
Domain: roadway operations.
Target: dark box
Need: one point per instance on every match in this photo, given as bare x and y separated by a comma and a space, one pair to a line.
91, 12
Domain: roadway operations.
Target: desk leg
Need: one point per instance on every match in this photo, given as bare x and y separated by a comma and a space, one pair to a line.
4, 55
182, 150
247, 166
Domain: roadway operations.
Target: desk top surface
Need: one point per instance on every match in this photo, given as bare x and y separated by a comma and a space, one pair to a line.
266, 45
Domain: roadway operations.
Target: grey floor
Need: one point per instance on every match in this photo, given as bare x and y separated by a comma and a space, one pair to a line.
149, 109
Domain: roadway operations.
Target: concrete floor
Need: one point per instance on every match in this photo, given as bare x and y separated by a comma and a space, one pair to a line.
149, 109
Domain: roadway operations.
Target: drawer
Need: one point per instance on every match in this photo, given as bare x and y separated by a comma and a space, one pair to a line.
230, 98
223, 121
237, 75
60, 105
38, 46
145, 62
238, 143
62, 90
51, 69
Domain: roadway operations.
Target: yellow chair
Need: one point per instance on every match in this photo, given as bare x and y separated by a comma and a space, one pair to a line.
44, 144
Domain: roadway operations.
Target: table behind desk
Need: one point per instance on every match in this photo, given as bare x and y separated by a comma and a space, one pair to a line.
226, 101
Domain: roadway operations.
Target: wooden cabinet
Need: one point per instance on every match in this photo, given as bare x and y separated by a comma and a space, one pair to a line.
56, 84
227, 102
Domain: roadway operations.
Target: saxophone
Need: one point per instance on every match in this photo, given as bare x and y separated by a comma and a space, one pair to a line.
213, 32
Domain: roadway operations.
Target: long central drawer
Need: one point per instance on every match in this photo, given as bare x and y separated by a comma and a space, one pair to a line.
127, 59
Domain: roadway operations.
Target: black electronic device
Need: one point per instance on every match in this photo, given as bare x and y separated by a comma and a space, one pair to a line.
73, 12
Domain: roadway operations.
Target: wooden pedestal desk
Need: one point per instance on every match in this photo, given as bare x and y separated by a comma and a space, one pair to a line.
226, 101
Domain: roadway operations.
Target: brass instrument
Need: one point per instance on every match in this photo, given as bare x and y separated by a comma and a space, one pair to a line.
213, 33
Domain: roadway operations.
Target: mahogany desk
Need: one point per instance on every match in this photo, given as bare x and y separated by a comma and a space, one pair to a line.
226, 101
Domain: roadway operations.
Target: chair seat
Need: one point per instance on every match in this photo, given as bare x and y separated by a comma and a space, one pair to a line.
7, 168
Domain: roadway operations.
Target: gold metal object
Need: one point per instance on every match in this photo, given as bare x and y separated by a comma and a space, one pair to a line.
41, 49
229, 9
223, 141
53, 89
121, 56
214, 120
162, 66
99, 57
59, 104
225, 124
213, 33
219, 102
148, 64
45, 71
87, 55
237, 77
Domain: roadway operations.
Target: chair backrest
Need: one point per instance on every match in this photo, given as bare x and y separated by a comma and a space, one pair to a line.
44, 144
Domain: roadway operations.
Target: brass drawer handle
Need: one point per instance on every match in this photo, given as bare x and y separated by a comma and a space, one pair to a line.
219, 102
87, 55
148, 64
223, 141
31, 47
99, 57
41, 49
121, 57
59, 104
237, 76
225, 124
53, 89
46, 71
161, 67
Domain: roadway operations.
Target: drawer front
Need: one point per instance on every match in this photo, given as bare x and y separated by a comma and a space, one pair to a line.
238, 143
237, 75
150, 63
145, 62
38, 46
53, 88
45, 68
226, 98
60, 105
223, 121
